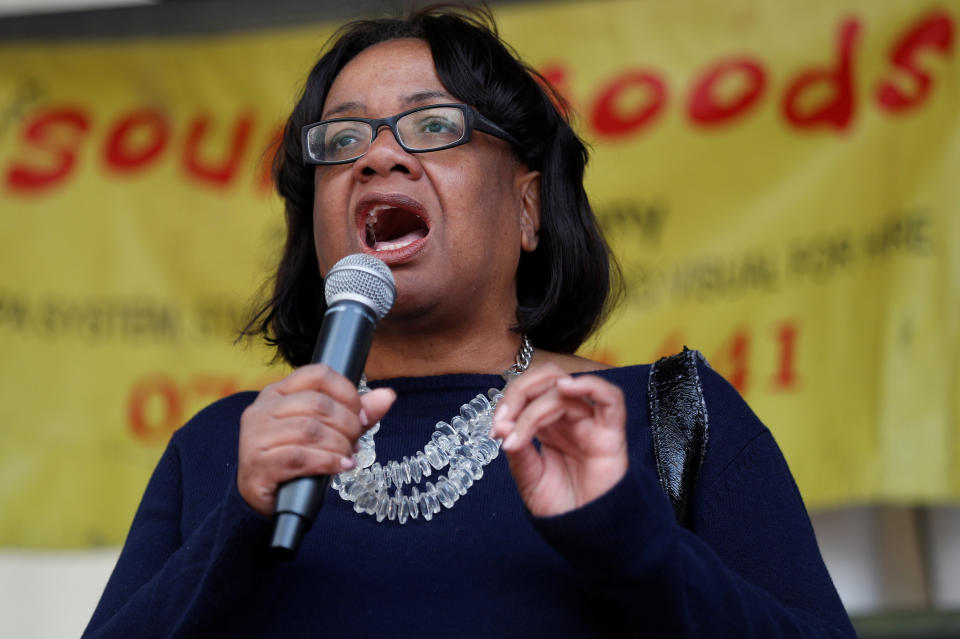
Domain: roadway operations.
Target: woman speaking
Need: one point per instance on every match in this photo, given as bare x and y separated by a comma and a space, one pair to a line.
460, 506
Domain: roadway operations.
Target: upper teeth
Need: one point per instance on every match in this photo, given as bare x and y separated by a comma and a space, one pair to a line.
372, 215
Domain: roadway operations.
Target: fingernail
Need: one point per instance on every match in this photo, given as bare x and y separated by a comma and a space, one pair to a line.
347, 462
364, 420
509, 442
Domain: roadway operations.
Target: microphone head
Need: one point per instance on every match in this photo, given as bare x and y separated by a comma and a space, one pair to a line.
361, 278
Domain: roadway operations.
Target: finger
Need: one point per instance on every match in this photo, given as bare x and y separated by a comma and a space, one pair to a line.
375, 404
309, 403
519, 394
318, 377
545, 410
525, 388
310, 431
288, 462
258, 484
605, 396
312, 405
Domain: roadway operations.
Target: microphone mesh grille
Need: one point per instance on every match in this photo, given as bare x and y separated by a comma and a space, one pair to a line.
363, 278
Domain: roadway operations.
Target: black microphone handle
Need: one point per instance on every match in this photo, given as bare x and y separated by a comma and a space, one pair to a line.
343, 345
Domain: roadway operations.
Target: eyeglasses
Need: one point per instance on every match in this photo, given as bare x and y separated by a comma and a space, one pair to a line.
426, 128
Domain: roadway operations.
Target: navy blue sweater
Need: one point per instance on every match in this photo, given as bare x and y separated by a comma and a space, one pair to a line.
195, 563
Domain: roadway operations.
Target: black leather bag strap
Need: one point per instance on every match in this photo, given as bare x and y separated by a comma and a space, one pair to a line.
678, 421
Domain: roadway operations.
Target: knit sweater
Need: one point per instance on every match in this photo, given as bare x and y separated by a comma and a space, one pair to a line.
195, 563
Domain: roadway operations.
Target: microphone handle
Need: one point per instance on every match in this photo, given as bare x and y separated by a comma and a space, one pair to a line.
343, 344
345, 338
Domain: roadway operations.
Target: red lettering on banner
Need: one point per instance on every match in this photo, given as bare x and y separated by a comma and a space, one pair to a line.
934, 32
222, 173
157, 404
708, 109
733, 358
153, 389
785, 377
58, 132
624, 105
609, 116
837, 110
135, 140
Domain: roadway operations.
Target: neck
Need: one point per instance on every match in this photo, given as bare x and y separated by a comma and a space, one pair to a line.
398, 353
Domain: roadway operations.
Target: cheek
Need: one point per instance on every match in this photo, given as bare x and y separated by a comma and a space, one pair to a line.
330, 230
330, 244
479, 199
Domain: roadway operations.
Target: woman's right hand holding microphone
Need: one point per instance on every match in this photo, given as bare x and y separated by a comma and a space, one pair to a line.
306, 424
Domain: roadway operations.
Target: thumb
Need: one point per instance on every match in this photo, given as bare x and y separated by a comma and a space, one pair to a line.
375, 404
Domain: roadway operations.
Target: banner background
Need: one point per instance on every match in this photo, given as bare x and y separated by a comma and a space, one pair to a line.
780, 183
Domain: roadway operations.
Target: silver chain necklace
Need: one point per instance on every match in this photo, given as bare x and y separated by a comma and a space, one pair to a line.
463, 445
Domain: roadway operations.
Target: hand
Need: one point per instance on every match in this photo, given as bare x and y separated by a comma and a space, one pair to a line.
581, 425
305, 424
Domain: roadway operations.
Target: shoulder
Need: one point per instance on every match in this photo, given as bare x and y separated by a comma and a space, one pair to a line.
737, 437
633, 380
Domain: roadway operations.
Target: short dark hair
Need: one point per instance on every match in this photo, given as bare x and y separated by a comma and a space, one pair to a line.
564, 287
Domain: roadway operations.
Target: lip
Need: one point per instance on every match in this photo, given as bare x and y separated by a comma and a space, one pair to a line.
392, 200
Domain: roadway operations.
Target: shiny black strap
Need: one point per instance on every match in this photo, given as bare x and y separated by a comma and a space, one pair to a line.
678, 421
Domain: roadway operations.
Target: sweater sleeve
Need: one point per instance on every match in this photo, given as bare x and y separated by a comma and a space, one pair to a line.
167, 586
749, 568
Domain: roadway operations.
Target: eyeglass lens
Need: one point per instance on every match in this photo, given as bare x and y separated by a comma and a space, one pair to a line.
420, 131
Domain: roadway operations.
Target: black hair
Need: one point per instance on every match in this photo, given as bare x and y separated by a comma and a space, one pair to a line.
564, 287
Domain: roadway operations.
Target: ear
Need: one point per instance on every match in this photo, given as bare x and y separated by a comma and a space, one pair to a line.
529, 189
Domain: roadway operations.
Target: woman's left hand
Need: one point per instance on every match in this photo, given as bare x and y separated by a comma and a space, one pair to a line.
581, 425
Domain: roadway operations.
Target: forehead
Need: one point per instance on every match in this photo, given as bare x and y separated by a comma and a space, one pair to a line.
385, 76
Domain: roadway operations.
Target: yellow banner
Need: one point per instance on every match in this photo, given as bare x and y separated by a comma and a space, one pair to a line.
777, 179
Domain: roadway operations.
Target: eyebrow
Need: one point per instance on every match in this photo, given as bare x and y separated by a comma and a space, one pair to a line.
409, 101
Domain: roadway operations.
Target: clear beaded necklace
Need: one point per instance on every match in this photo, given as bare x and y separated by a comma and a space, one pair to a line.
463, 446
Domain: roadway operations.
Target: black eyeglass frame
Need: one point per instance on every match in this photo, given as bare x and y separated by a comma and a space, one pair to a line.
472, 120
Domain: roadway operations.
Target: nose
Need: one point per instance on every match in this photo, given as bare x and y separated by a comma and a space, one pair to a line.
384, 156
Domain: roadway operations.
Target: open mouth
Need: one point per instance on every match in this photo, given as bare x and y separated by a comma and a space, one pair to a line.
389, 228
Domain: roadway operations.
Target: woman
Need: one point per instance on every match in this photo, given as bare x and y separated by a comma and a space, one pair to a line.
468, 183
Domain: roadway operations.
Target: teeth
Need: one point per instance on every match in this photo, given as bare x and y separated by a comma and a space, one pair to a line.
391, 247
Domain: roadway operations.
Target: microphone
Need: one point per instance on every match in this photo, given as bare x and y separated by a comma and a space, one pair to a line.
359, 290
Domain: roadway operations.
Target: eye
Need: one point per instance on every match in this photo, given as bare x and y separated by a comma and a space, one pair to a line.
436, 125
432, 128
344, 139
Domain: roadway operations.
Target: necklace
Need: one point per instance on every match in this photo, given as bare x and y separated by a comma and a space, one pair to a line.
463, 446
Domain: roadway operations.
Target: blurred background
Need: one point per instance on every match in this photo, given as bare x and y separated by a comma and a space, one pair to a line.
780, 180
